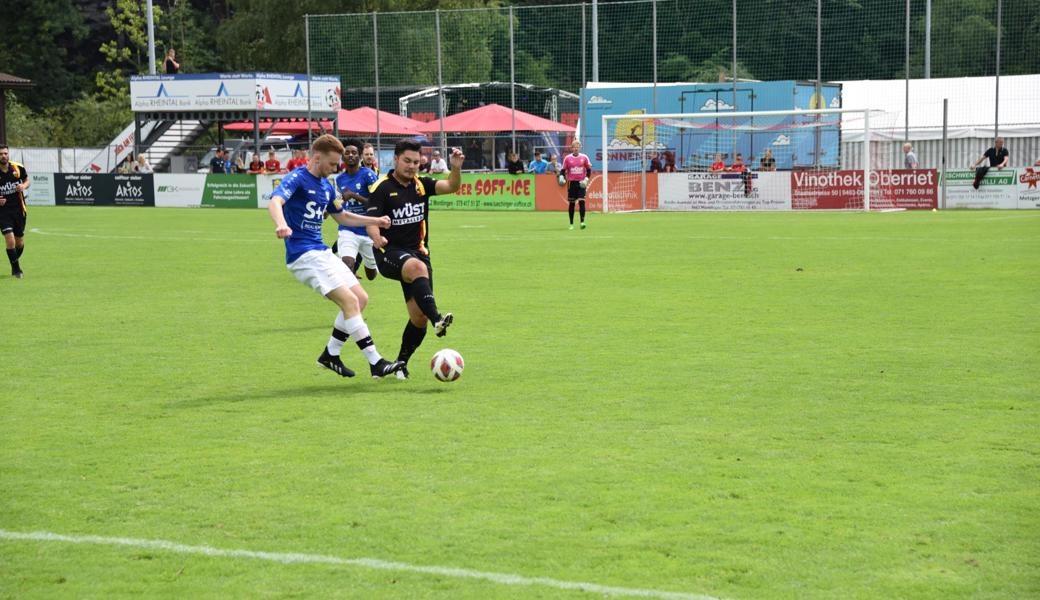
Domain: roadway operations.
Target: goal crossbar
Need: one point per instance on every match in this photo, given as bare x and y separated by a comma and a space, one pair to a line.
866, 112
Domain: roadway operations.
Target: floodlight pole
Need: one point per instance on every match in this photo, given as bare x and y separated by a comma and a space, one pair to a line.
440, 84
375, 50
595, 40
928, 39
906, 92
996, 103
307, 50
151, 38
512, 79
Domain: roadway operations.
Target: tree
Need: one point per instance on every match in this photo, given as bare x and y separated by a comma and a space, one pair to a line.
42, 42
129, 49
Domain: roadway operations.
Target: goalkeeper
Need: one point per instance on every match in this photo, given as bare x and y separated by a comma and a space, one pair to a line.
577, 169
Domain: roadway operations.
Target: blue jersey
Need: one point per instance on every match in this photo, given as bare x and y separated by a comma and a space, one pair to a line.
357, 183
538, 166
306, 198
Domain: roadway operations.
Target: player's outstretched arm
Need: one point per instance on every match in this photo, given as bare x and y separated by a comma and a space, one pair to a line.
281, 228
354, 220
454, 180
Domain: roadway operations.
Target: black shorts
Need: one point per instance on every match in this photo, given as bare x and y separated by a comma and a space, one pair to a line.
12, 222
575, 191
390, 261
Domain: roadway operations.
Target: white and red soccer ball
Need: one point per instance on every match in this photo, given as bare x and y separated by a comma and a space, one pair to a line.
447, 365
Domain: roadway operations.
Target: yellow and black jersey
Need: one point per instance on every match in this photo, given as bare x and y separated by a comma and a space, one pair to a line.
9, 181
407, 205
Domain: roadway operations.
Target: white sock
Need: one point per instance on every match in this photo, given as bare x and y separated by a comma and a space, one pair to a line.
355, 326
335, 346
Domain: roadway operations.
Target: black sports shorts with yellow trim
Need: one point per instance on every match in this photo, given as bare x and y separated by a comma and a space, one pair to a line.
12, 222
390, 261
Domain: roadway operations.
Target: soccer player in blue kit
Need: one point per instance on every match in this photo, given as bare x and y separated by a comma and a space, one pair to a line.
297, 208
352, 194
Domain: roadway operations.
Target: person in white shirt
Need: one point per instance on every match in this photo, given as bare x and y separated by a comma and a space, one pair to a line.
142, 166
438, 164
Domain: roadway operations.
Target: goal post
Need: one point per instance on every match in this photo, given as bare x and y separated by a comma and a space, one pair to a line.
790, 158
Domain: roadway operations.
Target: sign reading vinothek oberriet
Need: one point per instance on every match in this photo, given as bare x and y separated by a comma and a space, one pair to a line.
273, 92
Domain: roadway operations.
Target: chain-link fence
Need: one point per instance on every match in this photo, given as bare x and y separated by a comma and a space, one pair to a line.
432, 64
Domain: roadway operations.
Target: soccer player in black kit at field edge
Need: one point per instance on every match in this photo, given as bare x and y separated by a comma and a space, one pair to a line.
14, 180
402, 249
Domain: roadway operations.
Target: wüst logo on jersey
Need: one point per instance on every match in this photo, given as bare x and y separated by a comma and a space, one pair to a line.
8, 188
408, 210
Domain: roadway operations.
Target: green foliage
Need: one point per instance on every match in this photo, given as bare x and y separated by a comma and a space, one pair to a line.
42, 42
862, 428
128, 52
24, 127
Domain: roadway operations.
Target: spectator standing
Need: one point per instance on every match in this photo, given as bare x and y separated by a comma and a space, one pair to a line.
554, 164
474, 155
998, 157
171, 66
909, 156
216, 164
424, 164
273, 165
438, 164
125, 167
255, 166
718, 165
239, 166
539, 165
767, 162
514, 165
738, 166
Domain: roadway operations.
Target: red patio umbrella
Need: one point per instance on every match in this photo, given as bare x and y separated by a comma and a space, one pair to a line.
493, 118
360, 120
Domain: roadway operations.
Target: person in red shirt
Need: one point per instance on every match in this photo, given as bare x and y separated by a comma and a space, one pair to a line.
718, 166
738, 166
272, 165
255, 166
297, 160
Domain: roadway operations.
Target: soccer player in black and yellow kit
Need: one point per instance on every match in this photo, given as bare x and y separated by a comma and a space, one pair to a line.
13, 183
402, 249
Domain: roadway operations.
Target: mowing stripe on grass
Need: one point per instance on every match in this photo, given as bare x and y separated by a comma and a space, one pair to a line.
368, 563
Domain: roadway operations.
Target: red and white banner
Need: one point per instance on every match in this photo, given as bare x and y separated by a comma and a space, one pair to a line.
843, 190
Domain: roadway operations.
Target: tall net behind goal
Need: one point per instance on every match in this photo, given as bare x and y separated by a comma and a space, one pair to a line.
768, 160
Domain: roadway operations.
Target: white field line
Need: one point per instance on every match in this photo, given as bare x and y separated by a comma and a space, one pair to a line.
366, 563
547, 237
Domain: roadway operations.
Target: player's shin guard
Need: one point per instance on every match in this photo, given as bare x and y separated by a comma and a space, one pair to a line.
422, 291
570, 210
356, 327
581, 211
411, 339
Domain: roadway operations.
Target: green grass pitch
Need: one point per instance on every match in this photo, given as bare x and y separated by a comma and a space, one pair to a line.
745, 406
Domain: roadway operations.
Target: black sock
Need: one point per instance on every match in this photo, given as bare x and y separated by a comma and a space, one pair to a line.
411, 339
581, 210
422, 292
20, 249
357, 263
335, 247
570, 210
12, 255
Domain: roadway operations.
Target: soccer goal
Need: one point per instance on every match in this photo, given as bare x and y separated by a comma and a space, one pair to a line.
843, 159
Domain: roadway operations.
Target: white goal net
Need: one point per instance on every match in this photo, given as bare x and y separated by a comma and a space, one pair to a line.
838, 159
